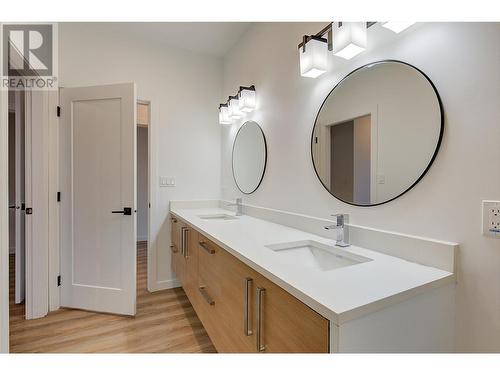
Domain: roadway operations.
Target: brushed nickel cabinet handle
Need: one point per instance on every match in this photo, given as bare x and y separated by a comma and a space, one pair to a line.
246, 326
205, 295
260, 320
207, 248
184, 232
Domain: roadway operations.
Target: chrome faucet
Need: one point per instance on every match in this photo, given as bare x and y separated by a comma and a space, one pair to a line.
342, 223
239, 206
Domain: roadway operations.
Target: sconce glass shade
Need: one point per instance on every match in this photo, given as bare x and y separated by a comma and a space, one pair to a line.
397, 27
224, 118
314, 57
349, 39
247, 99
234, 108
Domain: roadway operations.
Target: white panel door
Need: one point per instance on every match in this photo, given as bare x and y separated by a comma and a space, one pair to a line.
98, 204
19, 201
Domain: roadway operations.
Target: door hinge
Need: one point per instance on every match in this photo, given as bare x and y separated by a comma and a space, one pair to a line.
29, 211
58, 196
58, 111
59, 280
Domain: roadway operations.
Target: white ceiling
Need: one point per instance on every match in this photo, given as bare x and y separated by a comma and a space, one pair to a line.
209, 38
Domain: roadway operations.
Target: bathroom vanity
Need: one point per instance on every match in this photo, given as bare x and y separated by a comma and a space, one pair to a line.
260, 286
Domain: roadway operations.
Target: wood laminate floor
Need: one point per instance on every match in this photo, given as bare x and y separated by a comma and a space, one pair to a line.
165, 323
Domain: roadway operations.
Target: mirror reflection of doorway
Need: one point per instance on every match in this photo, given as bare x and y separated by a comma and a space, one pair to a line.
350, 159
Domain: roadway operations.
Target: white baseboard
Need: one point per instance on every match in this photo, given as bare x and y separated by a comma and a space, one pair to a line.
165, 284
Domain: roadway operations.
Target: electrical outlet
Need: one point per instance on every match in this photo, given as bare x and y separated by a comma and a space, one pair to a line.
491, 218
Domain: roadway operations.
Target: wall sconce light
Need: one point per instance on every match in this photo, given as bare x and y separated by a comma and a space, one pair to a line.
247, 99
349, 38
345, 39
238, 105
224, 118
397, 27
313, 55
234, 108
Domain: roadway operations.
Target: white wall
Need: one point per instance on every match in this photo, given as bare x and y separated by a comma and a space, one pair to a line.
142, 184
462, 61
184, 90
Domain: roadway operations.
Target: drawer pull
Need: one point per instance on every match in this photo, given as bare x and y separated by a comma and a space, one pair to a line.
246, 326
174, 248
207, 248
205, 295
260, 347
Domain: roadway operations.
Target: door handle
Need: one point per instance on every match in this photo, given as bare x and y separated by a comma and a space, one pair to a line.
125, 211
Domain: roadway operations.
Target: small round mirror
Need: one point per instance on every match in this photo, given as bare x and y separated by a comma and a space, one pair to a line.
377, 133
249, 157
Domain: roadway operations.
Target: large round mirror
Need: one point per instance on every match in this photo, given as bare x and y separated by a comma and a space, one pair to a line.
249, 157
377, 133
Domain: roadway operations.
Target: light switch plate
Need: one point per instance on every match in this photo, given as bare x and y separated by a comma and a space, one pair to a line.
167, 181
491, 218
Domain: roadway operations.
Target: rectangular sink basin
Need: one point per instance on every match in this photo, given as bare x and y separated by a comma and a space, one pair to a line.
218, 217
315, 255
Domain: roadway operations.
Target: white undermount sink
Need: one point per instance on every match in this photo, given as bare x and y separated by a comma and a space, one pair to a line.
315, 255
218, 217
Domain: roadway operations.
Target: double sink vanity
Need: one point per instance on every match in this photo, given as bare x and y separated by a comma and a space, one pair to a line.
260, 286
264, 280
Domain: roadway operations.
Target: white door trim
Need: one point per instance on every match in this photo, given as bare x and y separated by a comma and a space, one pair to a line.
36, 196
4, 223
19, 249
54, 222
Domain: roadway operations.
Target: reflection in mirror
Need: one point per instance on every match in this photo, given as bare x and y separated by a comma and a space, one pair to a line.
377, 133
249, 157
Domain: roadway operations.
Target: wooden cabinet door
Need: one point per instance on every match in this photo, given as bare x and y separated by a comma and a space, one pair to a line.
237, 305
286, 324
178, 263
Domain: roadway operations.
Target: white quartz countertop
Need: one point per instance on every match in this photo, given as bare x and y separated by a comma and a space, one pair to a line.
340, 294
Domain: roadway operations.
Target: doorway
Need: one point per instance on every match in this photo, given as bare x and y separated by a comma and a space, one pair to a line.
350, 159
142, 155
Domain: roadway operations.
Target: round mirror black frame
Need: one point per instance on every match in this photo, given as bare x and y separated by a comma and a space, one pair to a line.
265, 158
438, 144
